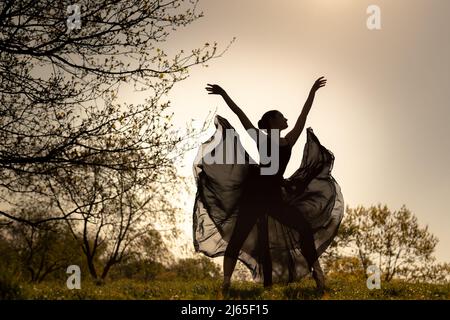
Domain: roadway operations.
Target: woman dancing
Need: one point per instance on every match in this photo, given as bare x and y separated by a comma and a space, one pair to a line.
277, 227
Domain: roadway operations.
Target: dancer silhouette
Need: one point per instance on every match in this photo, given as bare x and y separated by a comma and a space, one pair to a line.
277, 227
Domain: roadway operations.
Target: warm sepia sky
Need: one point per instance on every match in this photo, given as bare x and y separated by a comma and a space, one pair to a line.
384, 112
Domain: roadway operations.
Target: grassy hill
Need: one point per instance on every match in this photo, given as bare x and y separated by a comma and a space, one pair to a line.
338, 288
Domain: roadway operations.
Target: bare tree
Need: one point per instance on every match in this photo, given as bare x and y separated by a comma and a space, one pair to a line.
59, 87
115, 209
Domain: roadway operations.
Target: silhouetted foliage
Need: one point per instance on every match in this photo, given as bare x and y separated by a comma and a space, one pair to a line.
35, 252
196, 268
393, 241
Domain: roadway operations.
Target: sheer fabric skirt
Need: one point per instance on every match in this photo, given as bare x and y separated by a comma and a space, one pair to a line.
278, 206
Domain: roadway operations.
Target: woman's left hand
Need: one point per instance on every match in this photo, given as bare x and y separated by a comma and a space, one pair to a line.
319, 84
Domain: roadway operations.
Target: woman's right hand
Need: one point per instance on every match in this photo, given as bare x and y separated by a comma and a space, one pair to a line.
215, 89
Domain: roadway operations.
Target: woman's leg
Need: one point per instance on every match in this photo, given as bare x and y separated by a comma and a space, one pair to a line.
271, 201
308, 247
318, 276
290, 216
244, 224
265, 251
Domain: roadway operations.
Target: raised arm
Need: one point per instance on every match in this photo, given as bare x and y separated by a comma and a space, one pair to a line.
216, 89
294, 134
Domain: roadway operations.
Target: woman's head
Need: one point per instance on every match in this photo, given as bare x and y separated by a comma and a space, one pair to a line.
273, 119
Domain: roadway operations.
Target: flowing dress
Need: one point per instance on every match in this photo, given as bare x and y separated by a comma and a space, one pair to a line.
224, 188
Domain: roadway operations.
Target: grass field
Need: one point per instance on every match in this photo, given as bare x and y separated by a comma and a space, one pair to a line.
338, 288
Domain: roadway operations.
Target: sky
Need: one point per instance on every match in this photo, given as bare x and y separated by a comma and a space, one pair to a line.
384, 112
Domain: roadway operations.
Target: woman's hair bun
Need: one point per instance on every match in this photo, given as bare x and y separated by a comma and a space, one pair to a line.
261, 124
